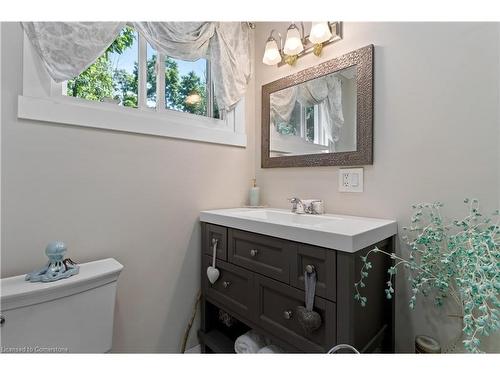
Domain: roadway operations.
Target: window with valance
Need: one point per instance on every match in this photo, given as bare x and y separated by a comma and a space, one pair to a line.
197, 71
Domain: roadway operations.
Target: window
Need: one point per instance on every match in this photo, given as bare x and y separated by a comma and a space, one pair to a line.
133, 88
186, 85
305, 122
151, 57
114, 78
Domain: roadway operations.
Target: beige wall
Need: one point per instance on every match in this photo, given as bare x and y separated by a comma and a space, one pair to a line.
109, 194
436, 126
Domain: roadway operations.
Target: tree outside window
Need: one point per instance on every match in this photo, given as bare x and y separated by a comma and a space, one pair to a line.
114, 77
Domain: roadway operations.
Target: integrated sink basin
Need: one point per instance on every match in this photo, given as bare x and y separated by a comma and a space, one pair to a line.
338, 232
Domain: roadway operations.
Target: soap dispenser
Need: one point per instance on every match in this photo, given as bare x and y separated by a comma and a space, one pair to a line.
254, 194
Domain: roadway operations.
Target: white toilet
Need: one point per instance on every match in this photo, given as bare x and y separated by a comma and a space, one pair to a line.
73, 315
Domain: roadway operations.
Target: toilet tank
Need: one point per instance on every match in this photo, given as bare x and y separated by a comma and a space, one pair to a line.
73, 315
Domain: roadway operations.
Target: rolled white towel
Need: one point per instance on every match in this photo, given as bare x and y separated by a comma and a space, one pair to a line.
250, 342
271, 349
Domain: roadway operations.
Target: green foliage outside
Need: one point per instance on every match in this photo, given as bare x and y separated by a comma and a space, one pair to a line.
292, 126
101, 81
310, 123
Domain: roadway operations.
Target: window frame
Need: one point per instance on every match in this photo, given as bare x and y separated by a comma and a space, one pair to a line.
42, 100
319, 136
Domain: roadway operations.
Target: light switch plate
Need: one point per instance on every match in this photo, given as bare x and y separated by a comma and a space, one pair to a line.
351, 180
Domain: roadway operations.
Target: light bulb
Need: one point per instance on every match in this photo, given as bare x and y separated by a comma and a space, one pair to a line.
272, 54
293, 42
320, 32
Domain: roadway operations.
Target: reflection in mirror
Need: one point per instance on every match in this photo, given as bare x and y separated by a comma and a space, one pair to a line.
317, 116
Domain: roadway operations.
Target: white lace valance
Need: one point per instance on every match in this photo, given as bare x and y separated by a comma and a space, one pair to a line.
68, 48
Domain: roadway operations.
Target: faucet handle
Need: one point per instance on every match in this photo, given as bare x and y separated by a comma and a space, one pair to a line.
318, 207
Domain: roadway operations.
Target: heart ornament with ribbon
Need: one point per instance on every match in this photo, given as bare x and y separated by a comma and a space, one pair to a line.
212, 272
309, 319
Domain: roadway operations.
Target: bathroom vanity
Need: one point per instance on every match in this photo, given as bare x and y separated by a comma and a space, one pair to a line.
262, 255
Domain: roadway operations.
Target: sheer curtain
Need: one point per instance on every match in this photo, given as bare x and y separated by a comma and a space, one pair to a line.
282, 104
68, 48
325, 92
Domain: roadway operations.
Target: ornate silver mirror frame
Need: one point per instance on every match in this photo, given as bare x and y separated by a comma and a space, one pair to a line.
363, 60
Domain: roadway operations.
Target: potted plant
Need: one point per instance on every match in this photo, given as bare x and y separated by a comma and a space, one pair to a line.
458, 259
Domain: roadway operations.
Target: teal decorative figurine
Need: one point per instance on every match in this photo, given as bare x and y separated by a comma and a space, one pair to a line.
57, 267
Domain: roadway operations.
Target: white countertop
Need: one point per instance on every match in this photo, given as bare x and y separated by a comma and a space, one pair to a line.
338, 232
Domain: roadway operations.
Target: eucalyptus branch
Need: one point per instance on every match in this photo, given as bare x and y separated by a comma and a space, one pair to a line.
361, 284
463, 263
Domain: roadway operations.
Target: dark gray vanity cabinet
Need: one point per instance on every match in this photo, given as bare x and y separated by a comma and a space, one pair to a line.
261, 283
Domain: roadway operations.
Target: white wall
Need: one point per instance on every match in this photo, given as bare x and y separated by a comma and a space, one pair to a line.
108, 194
436, 133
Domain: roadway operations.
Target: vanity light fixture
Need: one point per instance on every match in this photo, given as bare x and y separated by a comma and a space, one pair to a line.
320, 33
293, 42
272, 53
297, 44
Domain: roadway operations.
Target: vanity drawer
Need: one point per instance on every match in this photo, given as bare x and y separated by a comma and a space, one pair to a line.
233, 289
266, 255
276, 311
210, 232
324, 262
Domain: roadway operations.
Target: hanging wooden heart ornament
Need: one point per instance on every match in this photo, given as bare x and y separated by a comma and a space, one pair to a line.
212, 272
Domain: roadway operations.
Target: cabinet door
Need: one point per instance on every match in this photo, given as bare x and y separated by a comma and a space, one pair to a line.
276, 312
214, 232
324, 263
233, 289
263, 254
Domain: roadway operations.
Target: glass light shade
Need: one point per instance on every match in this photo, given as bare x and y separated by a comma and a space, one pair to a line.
320, 32
272, 54
293, 43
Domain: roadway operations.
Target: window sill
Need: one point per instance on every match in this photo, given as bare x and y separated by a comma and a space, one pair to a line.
168, 124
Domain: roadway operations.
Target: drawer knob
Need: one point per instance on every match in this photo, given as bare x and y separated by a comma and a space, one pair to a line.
287, 314
310, 268
226, 284
2, 320
254, 252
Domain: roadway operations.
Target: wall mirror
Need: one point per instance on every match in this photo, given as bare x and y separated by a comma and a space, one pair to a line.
322, 115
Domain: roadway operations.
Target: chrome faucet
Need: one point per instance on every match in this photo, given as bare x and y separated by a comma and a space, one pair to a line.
310, 206
297, 206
